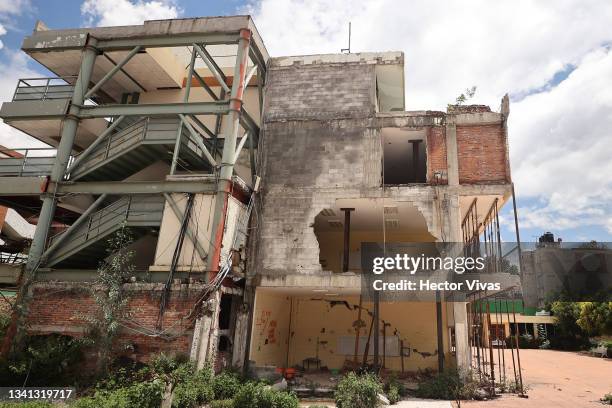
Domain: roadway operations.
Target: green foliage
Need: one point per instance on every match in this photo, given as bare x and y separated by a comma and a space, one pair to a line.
28, 404
123, 373
226, 385
138, 395
394, 394
395, 390
166, 364
226, 403
258, 395
5, 321
109, 295
448, 385
607, 399
48, 360
595, 318
358, 391
525, 341
193, 387
568, 334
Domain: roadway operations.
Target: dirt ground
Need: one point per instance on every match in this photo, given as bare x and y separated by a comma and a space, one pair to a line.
557, 379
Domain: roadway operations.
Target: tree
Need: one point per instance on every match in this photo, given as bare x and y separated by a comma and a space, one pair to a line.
110, 296
468, 94
595, 318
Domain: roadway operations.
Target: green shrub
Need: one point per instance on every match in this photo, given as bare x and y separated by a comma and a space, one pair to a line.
358, 391
607, 399
48, 360
394, 394
193, 388
28, 404
138, 395
447, 385
226, 403
525, 341
225, 385
280, 399
258, 395
165, 364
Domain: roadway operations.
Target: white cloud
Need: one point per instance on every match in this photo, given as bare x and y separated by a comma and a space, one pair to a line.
126, 12
14, 68
14, 7
2, 32
559, 139
561, 147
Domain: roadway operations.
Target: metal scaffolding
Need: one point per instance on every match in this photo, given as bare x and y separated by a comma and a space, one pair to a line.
219, 152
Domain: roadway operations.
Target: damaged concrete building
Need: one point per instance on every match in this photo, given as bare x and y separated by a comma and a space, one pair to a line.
249, 183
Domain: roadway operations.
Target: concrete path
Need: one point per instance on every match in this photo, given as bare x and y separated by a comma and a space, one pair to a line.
418, 403
559, 379
409, 403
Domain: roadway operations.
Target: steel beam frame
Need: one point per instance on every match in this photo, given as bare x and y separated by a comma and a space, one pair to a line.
153, 109
200, 185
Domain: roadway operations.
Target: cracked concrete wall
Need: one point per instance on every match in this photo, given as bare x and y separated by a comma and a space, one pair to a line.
320, 150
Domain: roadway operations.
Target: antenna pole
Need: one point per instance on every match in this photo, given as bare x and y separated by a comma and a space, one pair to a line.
349, 41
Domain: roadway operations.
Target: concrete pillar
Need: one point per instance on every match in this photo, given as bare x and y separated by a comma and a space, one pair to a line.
452, 159
206, 333
462, 345
240, 336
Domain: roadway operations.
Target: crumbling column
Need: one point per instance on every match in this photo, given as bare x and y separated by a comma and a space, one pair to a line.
206, 332
452, 159
462, 345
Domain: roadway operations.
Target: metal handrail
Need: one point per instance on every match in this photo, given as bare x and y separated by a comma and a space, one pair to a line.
24, 159
43, 88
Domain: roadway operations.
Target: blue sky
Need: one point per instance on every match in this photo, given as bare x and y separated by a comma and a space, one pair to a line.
552, 58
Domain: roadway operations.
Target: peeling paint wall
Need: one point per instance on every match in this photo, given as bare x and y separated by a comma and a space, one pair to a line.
318, 327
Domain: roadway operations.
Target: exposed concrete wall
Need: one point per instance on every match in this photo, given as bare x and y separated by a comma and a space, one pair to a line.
320, 91
317, 320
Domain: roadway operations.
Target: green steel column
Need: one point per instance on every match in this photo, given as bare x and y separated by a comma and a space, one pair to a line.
229, 148
45, 218
69, 129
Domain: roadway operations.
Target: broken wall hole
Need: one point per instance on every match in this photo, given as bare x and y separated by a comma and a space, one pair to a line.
342, 228
404, 156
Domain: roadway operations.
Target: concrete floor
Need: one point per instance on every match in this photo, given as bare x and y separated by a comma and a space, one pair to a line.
557, 379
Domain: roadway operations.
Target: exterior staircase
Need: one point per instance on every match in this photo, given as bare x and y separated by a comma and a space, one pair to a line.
138, 145
86, 246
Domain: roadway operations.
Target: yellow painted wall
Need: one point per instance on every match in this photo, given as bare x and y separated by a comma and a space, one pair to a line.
270, 329
314, 319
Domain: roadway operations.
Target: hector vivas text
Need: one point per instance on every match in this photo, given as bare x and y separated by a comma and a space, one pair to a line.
411, 265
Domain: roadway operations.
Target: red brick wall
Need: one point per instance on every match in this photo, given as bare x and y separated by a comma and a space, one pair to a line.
63, 308
482, 154
436, 153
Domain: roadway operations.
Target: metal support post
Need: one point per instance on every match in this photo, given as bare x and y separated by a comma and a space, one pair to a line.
64, 149
45, 218
347, 238
229, 149
439, 332
112, 72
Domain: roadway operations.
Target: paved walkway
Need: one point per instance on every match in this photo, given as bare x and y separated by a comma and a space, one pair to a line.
558, 379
